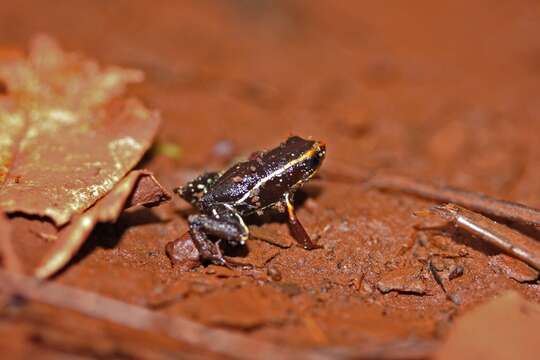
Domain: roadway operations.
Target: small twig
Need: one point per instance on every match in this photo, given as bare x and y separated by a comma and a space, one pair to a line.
471, 200
499, 235
438, 279
436, 275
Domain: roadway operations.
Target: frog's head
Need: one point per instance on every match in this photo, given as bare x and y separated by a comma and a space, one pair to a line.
305, 156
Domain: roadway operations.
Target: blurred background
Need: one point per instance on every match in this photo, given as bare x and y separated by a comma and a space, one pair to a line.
441, 91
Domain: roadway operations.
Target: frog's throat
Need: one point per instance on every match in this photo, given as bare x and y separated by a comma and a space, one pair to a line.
313, 151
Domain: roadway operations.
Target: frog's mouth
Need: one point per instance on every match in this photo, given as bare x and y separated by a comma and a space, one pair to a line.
316, 155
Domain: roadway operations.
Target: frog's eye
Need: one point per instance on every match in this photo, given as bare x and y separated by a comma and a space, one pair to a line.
313, 162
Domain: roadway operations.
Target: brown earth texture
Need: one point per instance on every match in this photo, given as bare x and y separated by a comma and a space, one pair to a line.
445, 92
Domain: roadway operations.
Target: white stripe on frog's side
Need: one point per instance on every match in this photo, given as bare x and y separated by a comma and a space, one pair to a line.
242, 223
278, 172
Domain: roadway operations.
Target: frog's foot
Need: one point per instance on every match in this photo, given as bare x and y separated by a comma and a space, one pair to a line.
217, 258
300, 234
200, 226
208, 250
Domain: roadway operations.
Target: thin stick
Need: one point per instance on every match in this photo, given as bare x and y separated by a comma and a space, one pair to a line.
499, 235
471, 200
452, 297
436, 275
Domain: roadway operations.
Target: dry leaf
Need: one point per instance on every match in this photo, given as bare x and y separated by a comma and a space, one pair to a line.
66, 138
513, 268
138, 188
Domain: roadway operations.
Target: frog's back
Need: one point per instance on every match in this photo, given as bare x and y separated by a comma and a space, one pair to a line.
235, 183
266, 177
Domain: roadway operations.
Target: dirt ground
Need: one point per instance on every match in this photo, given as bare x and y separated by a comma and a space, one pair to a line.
445, 92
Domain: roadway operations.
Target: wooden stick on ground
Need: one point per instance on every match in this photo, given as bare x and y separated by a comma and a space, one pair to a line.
501, 236
468, 199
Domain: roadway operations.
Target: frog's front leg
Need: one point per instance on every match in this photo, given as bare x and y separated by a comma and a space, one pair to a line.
222, 222
297, 230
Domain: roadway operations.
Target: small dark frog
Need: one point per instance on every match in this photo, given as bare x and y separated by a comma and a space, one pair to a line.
267, 180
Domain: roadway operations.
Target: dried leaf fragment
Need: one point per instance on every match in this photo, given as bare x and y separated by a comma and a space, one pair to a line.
67, 137
107, 209
406, 280
513, 268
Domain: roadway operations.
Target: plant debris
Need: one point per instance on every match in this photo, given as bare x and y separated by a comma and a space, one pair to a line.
439, 280
472, 200
513, 268
67, 134
407, 280
498, 235
68, 139
133, 190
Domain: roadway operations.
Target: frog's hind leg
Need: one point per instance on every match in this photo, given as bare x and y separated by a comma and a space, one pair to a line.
196, 188
225, 224
297, 229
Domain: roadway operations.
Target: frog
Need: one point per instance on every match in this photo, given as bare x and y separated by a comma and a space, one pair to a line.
267, 180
